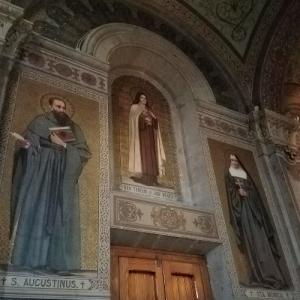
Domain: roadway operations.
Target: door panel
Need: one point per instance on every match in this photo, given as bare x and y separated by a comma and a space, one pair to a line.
140, 279
141, 285
155, 275
183, 287
183, 281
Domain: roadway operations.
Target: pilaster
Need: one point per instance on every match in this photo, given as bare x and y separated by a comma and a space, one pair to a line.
278, 143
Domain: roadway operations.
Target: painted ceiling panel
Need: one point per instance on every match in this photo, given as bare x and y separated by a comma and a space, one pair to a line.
234, 20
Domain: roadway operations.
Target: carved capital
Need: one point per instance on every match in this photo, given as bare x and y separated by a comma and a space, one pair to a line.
18, 34
8, 14
258, 125
282, 131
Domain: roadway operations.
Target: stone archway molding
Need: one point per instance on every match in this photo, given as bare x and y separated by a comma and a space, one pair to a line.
104, 41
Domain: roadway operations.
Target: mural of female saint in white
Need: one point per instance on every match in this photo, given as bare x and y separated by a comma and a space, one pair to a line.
146, 151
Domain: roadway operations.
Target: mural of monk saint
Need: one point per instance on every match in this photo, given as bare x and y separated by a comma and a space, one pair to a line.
45, 225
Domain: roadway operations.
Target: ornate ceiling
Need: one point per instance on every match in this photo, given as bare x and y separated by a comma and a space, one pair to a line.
226, 39
235, 21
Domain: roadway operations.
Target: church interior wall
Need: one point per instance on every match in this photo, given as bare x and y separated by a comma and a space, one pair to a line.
192, 217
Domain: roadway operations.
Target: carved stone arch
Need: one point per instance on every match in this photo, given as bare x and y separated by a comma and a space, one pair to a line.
128, 48
103, 41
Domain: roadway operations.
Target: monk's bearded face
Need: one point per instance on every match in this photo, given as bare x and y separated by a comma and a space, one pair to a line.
58, 109
61, 118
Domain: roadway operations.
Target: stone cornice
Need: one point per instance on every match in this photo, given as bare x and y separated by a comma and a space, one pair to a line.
225, 112
64, 62
283, 132
279, 127
54, 48
10, 10
225, 121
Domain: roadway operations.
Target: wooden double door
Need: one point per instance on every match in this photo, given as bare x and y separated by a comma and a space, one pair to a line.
149, 275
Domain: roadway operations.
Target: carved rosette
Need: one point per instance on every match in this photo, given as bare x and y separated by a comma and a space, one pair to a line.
129, 212
168, 217
205, 224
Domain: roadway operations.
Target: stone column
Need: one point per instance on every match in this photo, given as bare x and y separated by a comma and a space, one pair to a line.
278, 146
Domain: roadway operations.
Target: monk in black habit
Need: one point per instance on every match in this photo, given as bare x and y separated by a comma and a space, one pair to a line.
45, 224
254, 232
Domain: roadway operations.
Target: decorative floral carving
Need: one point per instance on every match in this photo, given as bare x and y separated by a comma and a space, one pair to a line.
168, 217
226, 126
209, 121
242, 132
36, 60
129, 212
291, 153
63, 69
88, 78
205, 224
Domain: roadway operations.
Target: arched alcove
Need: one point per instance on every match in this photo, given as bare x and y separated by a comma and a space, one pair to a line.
131, 50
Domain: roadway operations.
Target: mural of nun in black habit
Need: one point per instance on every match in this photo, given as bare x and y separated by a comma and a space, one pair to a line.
253, 229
